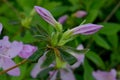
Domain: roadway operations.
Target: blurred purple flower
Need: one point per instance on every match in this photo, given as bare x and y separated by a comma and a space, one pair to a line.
102, 75
0, 28
79, 57
62, 19
80, 14
46, 15
27, 51
86, 29
7, 52
65, 74
37, 68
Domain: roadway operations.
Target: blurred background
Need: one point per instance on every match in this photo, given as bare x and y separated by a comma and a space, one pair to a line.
19, 20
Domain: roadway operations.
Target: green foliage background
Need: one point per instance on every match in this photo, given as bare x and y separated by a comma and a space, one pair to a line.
104, 46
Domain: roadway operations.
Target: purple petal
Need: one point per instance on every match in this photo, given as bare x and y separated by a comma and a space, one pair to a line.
80, 47
80, 60
27, 51
14, 49
1, 61
4, 42
0, 28
37, 67
9, 63
62, 19
53, 75
80, 14
102, 75
86, 29
79, 57
46, 15
9, 49
67, 74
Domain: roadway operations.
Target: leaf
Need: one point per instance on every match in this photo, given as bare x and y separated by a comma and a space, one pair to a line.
101, 41
87, 71
96, 59
67, 57
10, 28
110, 28
93, 9
73, 50
26, 38
58, 11
36, 55
113, 39
50, 57
44, 73
26, 4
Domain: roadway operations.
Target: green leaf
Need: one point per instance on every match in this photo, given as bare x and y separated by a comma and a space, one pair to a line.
44, 73
26, 4
87, 71
101, 41
36, 55
96, 59
26, 38
93, 9
58, 11
10, 28
113, 39
110, 28
73, 50
50, 57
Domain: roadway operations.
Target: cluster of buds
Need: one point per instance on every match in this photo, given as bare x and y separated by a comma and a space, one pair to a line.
58, 41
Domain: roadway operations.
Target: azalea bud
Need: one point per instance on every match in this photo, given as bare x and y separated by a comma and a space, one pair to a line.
46, 15
86, 29
62, 19
80, 14
0, 28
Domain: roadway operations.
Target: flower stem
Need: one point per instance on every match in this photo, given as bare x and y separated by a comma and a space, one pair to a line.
112, 12
22, 62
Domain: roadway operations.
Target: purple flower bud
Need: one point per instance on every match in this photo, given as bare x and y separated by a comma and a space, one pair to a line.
0, 28
102, 75
80, 14
86, 29
62, 19
46, 15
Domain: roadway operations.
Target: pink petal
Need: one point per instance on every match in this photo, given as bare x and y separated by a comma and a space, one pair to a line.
9, 63
67, 74
27, 51
0, 28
